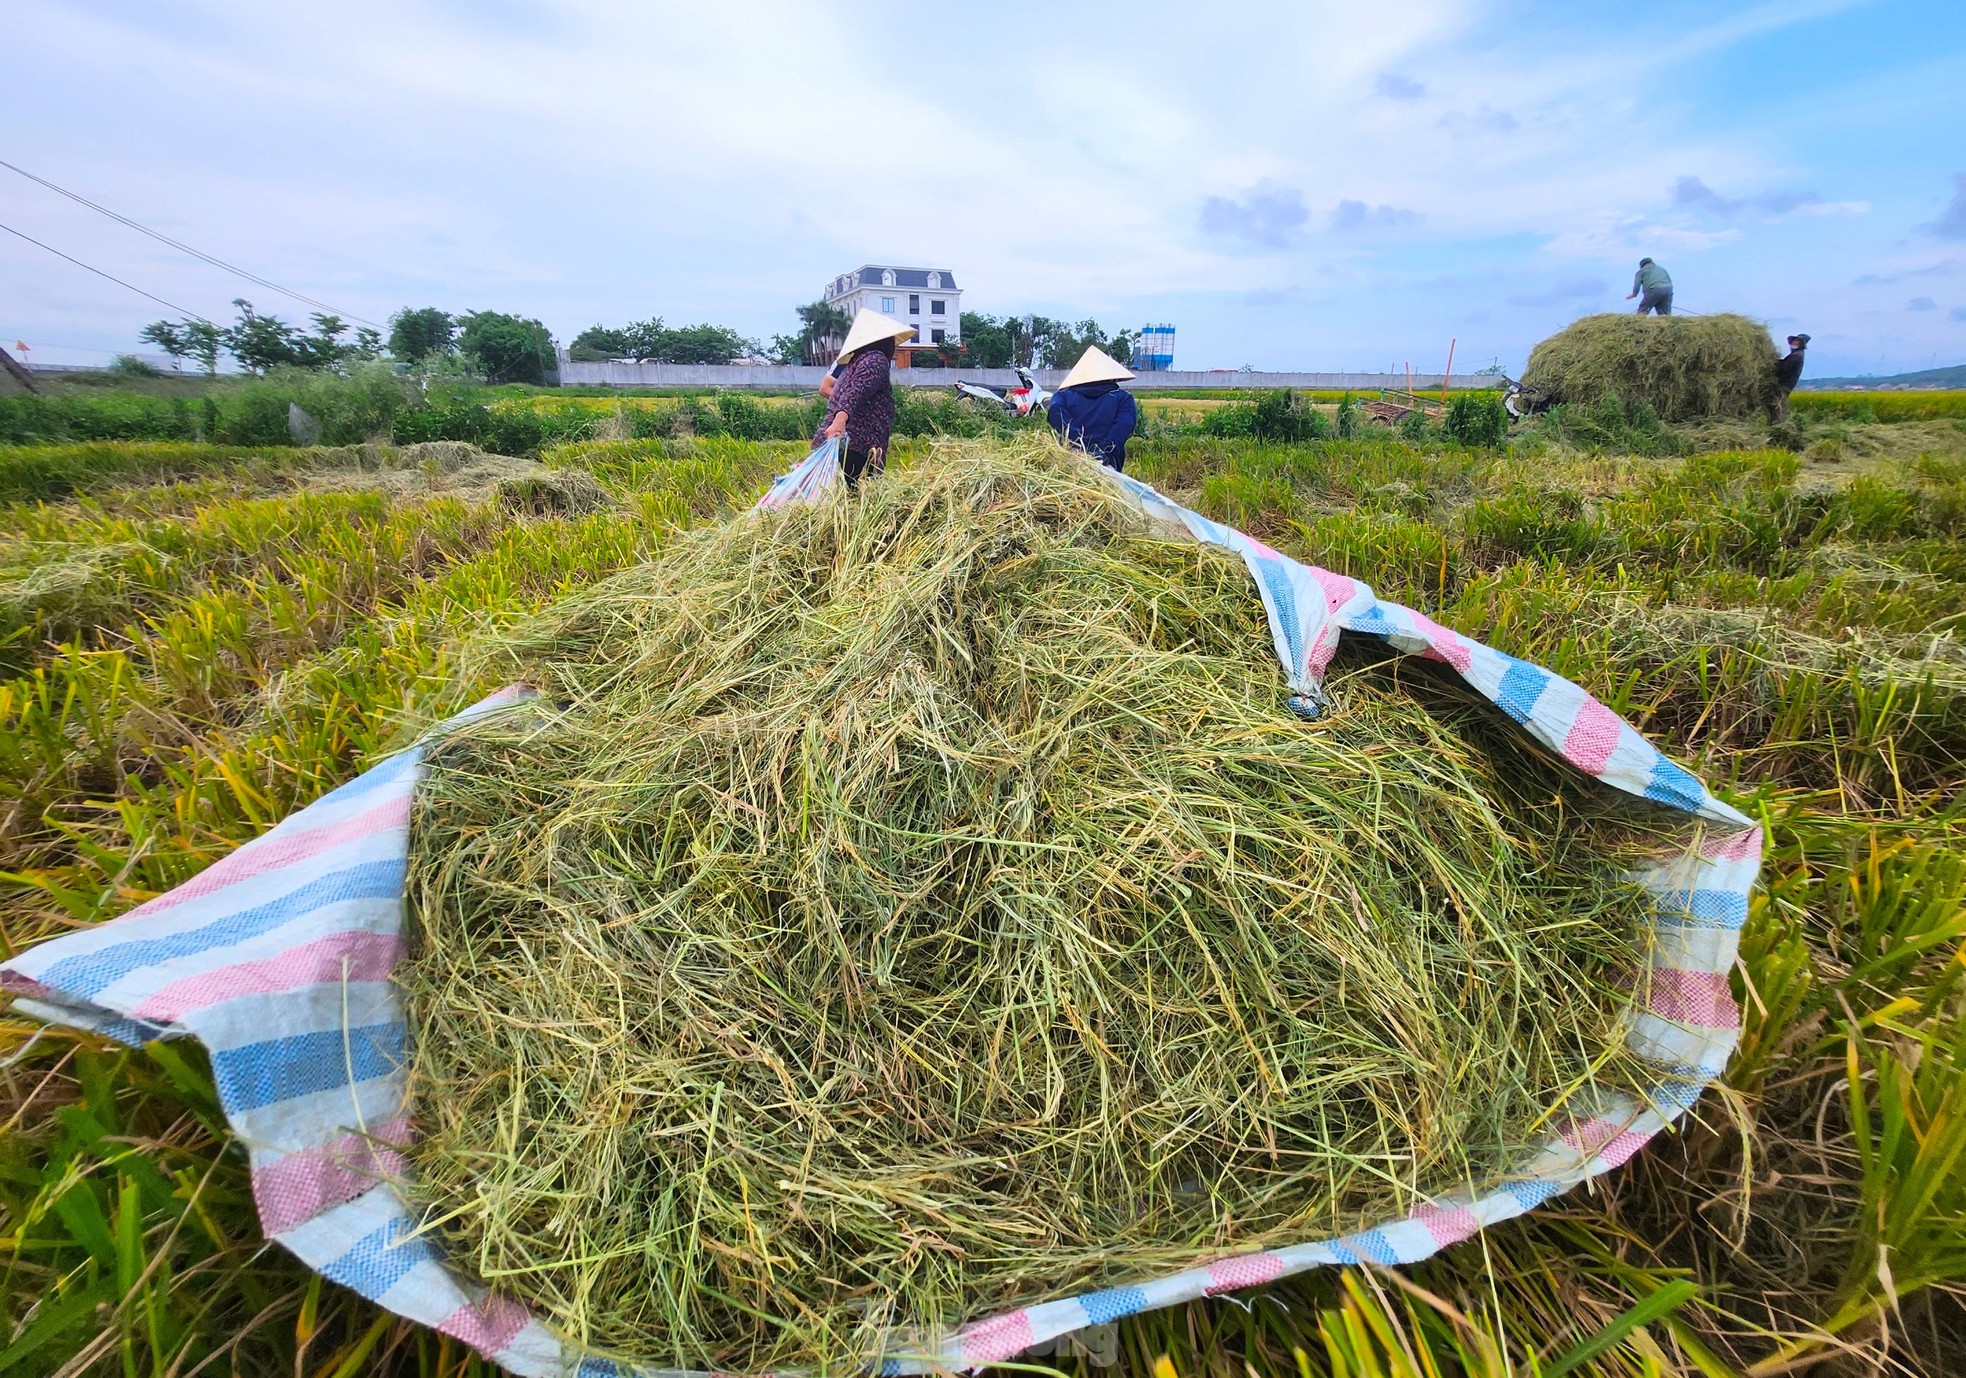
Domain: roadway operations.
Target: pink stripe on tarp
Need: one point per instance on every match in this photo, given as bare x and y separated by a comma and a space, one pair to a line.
1593, 736
301, 1185
352, 956
990, 1341
1615, 1153
1702, 999
1589, 1136
1247, 1270
1322, 651
270, 853
1338, 589
1259, 547
487, 1326
16, 984
1732, 846
1448, 1226
1447, 645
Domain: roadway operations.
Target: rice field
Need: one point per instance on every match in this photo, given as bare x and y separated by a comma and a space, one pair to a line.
195, 640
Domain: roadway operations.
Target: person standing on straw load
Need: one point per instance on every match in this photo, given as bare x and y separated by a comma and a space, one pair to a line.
861, 404
1091, 411
1652, 285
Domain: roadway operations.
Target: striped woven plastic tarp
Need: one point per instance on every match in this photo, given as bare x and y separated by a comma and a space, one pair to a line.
278, 959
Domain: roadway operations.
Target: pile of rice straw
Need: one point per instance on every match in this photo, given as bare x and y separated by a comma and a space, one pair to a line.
903, 908
1686, 368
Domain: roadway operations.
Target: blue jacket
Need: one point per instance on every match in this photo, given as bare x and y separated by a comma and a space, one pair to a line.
1096, 417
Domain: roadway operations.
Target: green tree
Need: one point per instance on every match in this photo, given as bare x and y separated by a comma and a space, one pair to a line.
822, 329
1059, 345
168, 336
187, 339
701, 344
506, 349
322, 349
659, 344
420, 333
598, 343
986, 340
262, 342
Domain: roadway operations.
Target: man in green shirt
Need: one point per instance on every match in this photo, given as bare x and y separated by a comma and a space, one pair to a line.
1652, 281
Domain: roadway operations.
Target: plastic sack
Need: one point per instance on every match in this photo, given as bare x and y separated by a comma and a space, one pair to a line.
278, 959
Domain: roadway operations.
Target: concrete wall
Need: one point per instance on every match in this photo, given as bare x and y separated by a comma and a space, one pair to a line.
799, 379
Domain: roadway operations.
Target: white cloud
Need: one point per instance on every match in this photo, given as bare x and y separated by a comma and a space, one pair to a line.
1355, 217
1265, 214
583, 161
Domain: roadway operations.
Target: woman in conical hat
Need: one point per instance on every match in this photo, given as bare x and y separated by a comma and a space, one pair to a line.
1091, 410
861, 405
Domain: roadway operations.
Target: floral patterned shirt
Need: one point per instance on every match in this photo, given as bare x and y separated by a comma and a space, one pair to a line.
866, 394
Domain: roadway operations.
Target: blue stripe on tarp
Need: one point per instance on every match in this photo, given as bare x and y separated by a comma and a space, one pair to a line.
382, 1258
89, 974
598, 1368
280, 1069
1104, 1307
135, 1032
1283, 598
1676, 1093
1706, 909
1368, 1244
384, 773
1522, 684
1532, 1194
1674, 785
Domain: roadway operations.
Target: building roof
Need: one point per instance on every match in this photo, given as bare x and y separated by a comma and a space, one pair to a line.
869, 275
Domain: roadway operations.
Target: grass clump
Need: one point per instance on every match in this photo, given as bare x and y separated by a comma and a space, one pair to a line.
901, 909
1685, 368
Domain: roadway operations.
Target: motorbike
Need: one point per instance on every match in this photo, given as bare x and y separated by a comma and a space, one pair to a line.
1021, 400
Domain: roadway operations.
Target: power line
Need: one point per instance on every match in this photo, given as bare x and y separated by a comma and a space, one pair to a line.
182, 247
182, 311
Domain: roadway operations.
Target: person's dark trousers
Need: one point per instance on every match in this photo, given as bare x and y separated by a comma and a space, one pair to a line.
1118, 466
1655, 300
857, 463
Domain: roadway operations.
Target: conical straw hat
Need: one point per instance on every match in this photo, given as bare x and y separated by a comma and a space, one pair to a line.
870, 327
1096, 366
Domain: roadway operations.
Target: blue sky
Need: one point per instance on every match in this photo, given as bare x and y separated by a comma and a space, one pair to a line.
1316, 185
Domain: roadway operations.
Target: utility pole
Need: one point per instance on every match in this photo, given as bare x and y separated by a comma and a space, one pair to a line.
18, 372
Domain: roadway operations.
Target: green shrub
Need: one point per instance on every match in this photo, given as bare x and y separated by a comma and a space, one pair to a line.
106, 415
1478, 420
1282, 415
1612, 427
1545, 525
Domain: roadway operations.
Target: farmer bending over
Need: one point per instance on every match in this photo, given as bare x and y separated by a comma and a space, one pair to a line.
1653, 288
861, 404
1788, 372
1091, 410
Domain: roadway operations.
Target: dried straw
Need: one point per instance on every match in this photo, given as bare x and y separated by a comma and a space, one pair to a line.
905, 908
1686, 368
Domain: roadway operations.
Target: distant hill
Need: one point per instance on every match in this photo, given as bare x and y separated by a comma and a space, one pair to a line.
1954, 377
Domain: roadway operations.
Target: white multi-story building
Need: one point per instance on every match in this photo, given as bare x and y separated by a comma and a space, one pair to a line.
926, 298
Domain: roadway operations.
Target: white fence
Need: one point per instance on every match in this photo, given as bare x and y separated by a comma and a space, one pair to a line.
796, 379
